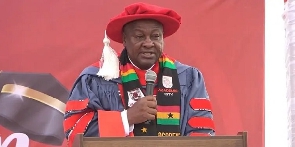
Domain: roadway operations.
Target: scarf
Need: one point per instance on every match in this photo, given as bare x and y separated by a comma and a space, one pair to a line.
167, 122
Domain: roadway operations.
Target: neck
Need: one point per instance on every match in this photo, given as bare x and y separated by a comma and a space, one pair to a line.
138, 67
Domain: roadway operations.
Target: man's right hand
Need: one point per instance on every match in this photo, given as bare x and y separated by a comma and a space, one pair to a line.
144, 109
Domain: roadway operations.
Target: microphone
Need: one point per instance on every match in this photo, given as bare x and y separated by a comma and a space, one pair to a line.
150, 78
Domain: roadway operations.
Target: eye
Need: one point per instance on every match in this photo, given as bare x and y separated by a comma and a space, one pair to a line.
139, 36
156, 36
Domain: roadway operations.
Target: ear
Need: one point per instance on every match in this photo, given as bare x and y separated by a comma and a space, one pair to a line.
124, 39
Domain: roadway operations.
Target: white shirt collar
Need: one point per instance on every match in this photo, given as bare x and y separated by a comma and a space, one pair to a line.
137, 67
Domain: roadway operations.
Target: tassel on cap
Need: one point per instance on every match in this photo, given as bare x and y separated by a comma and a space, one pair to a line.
109, 61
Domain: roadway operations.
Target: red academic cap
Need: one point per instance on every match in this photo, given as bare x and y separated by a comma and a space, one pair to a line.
169, 19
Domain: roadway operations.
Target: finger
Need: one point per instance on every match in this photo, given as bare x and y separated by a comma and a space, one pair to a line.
155, 99
151, 98
150, 117
152, 104
152, 111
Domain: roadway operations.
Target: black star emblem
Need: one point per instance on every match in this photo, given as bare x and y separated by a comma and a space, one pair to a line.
170, 115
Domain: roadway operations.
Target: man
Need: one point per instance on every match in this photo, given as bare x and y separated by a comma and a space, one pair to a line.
108, 99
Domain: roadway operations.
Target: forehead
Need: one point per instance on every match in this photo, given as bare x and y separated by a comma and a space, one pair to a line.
143, 24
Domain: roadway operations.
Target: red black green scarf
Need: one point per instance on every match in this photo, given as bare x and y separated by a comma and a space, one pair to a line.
168, 97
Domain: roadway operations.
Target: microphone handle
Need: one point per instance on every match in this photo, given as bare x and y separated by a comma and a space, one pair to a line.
150, 91
149, 88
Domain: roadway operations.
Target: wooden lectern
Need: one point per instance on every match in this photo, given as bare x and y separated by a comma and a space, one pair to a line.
239, 140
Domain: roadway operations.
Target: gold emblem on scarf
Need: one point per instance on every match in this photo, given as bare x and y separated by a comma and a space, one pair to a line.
144, 130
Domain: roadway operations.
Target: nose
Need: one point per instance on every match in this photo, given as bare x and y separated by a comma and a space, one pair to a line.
148, 43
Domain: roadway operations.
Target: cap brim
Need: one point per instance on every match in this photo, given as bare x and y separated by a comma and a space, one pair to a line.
33, 109
115, 26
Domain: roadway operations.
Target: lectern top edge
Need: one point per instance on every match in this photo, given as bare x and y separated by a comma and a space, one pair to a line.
161, 138
239, 140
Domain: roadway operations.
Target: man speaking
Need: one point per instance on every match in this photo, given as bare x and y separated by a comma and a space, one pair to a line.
143, 91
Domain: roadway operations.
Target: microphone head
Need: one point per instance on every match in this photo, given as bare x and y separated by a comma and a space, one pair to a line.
150, 76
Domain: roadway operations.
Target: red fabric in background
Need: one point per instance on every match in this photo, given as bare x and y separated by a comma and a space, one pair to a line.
224, 39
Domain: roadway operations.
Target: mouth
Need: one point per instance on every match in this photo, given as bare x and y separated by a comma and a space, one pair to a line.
147, 54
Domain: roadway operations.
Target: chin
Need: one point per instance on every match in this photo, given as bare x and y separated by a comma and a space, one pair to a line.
147, 63
146, 66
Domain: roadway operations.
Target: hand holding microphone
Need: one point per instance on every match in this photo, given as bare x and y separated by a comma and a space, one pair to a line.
145, 108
